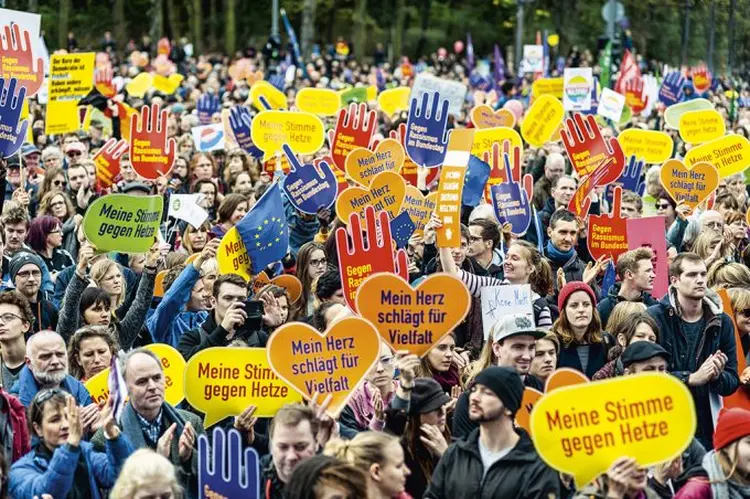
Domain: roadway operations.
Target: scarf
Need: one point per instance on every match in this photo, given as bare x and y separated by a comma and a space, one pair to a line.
447, 379
721, 488
361, 404
561, 257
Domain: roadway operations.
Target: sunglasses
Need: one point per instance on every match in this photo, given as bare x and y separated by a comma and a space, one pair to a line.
662, 206
74, 154
58, 183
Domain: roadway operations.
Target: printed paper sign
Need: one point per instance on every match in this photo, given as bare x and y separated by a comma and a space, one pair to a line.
484, 116
691, 186
270, 130
697, 127
320, 101
611, 105
309, 187
71, 79
332, 363
232, 255
265, 96
542, 119
354, 128
453, 91
548, 86
450, 186
426, 136
123, 223
386, 193
413, 319
172, 363
419, 207
651, 145
648, 417
499, 301
224, 381
151, 151
608, 234
648, 232
673, 113
729, 154
394, 100
577, 92
208, 138
363, 165
533, 58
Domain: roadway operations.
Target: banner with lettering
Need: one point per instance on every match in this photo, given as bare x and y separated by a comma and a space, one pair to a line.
71, 78
499, 301
123, 223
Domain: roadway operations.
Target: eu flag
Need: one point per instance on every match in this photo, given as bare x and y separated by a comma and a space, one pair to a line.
264, 230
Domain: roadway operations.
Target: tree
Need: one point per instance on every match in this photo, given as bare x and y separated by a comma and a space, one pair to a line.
62, 34
307, 34
360, 28
230, 40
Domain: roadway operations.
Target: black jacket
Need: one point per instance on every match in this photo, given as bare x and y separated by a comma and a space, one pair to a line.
271, 486
209, 334
520, 474
717, 335
597, 356
610, 301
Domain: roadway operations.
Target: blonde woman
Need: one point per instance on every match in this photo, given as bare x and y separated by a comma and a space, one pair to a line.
146, 474
621, 311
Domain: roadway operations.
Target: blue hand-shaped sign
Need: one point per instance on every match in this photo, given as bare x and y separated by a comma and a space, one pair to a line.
426, 137
207, 106
671, 91
309, 187
11, 135
629, 180
224, 472
240, 121
511, 202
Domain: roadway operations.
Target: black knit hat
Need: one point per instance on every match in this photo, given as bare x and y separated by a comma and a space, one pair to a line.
20, 259
643, 350
505, 383
427, 396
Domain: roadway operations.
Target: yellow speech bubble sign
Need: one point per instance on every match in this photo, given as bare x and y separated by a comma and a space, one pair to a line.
729, 154
303, 132
649, 145
483, 140
701, 126
674, 112
224, 381
548, 86
542, 120
273, 96
232, 255
581, 430
394, 100
320, 101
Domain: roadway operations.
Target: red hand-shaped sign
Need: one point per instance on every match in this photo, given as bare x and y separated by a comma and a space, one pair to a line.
17, 60
107, 161
587, 149
151, 152
634, 96
354, 128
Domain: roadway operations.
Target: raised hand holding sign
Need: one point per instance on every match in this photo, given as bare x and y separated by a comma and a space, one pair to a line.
17, 59
510, 201
224, 474
671, 91
207, 106
11, 104
151, 152
426, 137
587, 148
354, 128
309, 187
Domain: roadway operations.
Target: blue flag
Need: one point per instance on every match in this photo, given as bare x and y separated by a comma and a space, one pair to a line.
609, 278
402, 227
469, 52
264, 230
499, 67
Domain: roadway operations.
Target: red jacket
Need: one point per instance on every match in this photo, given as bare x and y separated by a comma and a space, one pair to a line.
17, 418
695, 488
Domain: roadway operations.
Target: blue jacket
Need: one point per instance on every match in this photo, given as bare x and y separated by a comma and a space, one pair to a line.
169, 321
64, 278
300, 231
26, 388
33, 475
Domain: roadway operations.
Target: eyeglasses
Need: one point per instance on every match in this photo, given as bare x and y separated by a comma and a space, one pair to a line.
318, 263
74, 154
7, 318
58, 183
56, 231
44, 395
714, 225
662, 206
29, 273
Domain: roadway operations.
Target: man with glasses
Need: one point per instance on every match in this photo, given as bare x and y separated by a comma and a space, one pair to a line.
665, 207
684, 231
484, 243
75, 152
26, 274
16, 321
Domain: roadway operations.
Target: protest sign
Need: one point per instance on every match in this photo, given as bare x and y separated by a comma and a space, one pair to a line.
159, 283
224, 381
608, 235
450, 186
453, 91
355, 95
651, 145
362, 254
426, 130
409, 169
697, 127
151, 151
702, 78
649, 417
529, 400
541, 120
238, 124
394, 100
354, 128
533, 59
22, 50
185, 207
483, 116
740, 398
385, 193
208, 138
729, 154
13, 125
171, 361
611, 105
510, 201
562, 377
309, 187
636, 95
270, 130
647, 232
484, 139
289, 282
577, 89
362, 164
265, 96
671, 90
413, 319
499, 301
673, 113
419, 207
227, 473
587, 149
548, 86
71, 78
138, 86
691, 186
320, 101
167, 85
107, 161
330, 364
232, 255
123, 223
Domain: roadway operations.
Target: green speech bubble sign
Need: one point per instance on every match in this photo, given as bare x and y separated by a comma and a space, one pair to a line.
123, 223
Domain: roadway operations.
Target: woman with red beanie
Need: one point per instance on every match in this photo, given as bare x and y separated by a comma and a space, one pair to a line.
583, 344
728, 466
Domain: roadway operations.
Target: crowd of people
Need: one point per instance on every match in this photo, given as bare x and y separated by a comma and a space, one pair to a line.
440, 426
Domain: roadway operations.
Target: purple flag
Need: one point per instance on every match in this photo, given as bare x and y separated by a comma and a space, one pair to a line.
469, 52
499, 66
118, 392
545, 57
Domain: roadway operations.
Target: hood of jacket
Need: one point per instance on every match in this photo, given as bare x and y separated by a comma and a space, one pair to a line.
712, 300
523, 452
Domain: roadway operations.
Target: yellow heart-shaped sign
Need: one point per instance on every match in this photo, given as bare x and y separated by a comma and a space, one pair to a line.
386, 192
362, 165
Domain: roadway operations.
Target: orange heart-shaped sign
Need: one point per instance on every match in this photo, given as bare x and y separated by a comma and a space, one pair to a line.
689, 185
159, 283
332, 363
485, 117
386, 193
413, 319
290, 283
529, 400
564, 376
419, 207
362, 165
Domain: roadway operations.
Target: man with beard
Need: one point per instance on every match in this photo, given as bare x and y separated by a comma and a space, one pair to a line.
562, 190
495, 460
